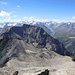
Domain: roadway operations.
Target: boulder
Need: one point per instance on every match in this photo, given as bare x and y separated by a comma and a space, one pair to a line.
46, 72
15, 73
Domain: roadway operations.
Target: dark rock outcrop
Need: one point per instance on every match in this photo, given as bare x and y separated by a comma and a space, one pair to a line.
15, 73
46, 72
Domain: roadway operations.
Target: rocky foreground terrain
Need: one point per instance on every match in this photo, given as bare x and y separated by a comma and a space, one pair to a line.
30, 50
59, 65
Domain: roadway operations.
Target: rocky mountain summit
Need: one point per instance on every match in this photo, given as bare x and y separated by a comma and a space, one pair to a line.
28, 42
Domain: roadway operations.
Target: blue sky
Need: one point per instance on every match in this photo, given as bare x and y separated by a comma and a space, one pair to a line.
16, 10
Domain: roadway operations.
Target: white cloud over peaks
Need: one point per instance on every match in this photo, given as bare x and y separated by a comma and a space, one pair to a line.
4, 14
32, 18
56, 20
3, 3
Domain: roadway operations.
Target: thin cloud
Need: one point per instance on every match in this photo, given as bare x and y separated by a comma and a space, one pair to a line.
18, 6
8, 19
73, 17
4, 14
15, 15
24, 17
31, 17
3, 3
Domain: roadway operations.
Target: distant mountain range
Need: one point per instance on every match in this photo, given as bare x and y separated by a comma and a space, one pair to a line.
51, 27
64, 31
